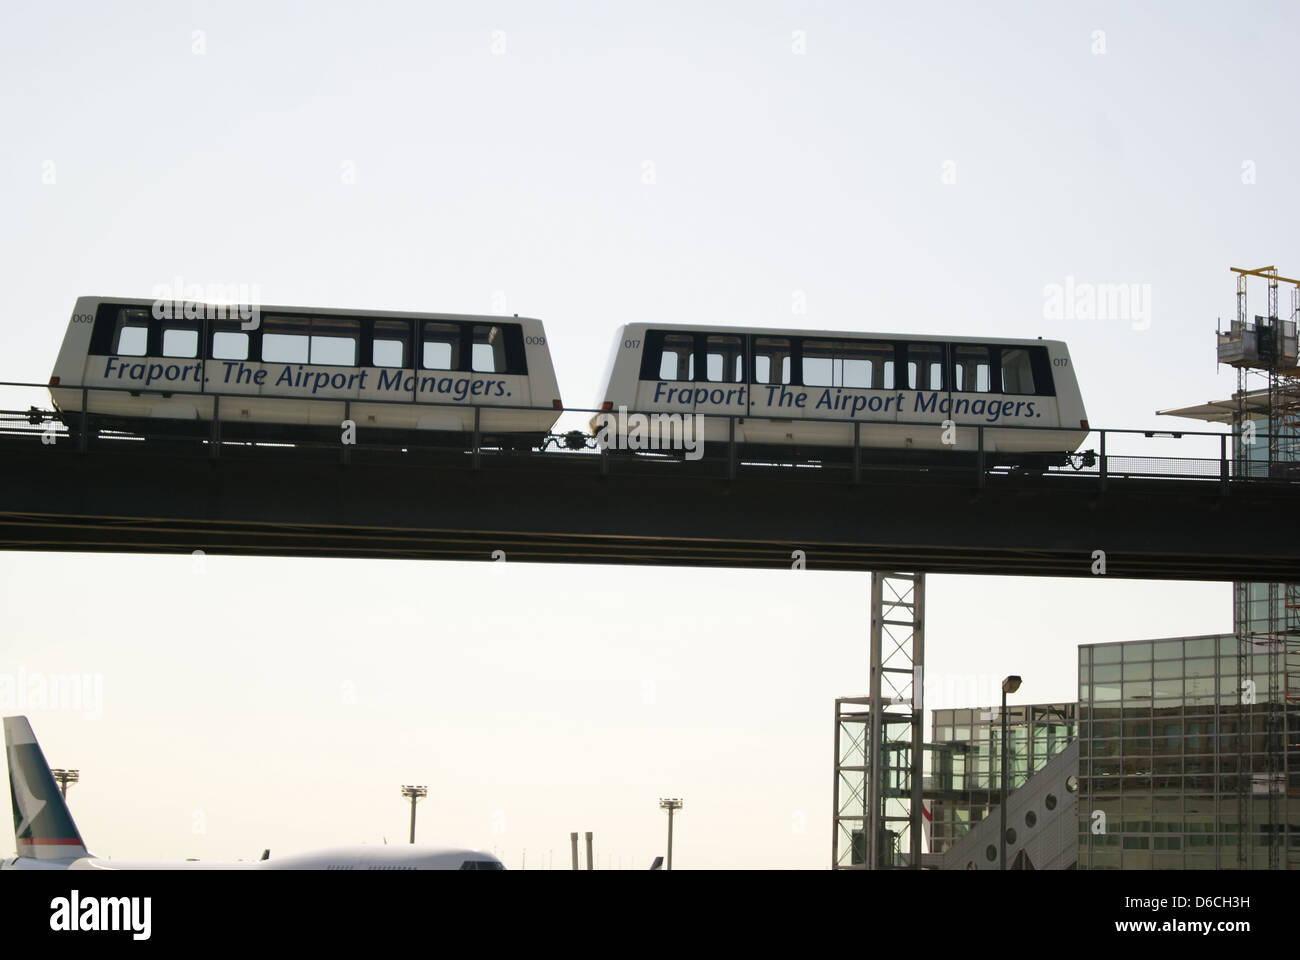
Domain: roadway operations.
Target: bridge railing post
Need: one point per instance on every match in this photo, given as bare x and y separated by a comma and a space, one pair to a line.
979, 457
1223, 463
84, 439
1102, 466
477, 423
731, 447
345, 455
214, 432
857, 452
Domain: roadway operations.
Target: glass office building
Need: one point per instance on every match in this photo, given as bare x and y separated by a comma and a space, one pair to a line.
1179, 758
965, 760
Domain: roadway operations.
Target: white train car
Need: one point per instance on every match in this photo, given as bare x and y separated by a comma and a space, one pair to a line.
282, 372
800, 391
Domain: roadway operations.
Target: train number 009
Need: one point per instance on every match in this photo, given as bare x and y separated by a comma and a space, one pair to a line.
535, 341
83, 318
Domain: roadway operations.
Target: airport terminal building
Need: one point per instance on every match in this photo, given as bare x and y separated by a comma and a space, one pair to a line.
1181, 753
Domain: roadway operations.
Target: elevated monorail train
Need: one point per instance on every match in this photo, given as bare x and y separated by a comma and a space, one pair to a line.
294, 371
799, 391
285, 372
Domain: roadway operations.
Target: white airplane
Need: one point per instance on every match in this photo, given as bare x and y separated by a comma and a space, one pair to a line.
47, 838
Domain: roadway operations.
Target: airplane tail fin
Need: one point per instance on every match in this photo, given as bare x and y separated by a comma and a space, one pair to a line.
43, 827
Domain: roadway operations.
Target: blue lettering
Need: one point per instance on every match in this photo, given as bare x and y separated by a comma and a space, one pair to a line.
391, 380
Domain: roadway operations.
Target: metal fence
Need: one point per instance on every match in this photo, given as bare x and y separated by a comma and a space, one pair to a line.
1105, 455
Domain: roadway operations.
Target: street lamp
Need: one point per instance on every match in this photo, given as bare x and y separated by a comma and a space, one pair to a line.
670, 806
413, 794
1010, 685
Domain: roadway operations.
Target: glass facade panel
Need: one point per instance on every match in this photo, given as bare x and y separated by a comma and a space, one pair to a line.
1167, 650
1169, 751
1035, 734
1106, 654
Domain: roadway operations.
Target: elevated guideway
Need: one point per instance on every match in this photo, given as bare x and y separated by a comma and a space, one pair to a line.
1132, 514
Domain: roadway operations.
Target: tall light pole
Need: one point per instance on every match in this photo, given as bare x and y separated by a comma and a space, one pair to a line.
1010, 685
65, 777
414, 794
670, 806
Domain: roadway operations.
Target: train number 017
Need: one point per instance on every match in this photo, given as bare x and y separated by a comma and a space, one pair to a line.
1060, 361
631, 344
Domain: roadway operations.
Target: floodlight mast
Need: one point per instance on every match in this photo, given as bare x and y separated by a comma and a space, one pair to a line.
414, 794
65, 777
670, 805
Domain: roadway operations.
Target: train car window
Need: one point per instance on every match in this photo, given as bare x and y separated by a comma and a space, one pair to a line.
334, 341
836, 363
1041, 364
391, 342
488, 352
972, 368
677, 360
1017, 371
772, 360
285, 339
724, 358
229, 342
818, 363
516, 358
925, 366
131, 337
880, 357
180, 341
440, 346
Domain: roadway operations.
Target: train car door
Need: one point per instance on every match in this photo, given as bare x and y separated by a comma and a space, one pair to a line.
722, 392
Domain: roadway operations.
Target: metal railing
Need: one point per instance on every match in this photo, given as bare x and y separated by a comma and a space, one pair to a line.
972, 460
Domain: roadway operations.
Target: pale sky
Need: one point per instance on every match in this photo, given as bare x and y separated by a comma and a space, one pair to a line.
932, 169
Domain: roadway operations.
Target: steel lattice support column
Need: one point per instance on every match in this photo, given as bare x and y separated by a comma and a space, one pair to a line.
878, 746
894, 774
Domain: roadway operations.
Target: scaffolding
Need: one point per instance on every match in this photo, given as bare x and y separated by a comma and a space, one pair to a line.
878, 749
1266, 347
